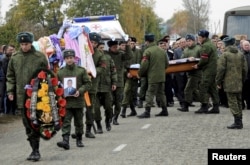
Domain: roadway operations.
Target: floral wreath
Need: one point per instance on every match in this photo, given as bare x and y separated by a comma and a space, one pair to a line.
45, 105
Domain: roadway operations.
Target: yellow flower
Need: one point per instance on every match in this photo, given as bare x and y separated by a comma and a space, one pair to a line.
41, 93
45, 99
44, 86
39, 105
46, 108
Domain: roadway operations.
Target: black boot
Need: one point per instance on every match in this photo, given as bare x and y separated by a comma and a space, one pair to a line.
123, 113
237, 123
145, 114
164, 112
88, 133
35, 154
140, 104
115, 118
73, 136
133, 111
108, 125
184, 107
203, 109
215, 109
65, 143
99, 127
79, 140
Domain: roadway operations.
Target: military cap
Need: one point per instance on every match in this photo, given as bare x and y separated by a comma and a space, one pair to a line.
93, 36
133, 39
203, 33
68, 52
25, 37
177, 39
149, 37
111, 43
223, 36
163, 40
229, 41
190, 37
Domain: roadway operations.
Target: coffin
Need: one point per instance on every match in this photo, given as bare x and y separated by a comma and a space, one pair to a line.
175, 66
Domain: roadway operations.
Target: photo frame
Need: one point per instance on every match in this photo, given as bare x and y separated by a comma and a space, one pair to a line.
69, 86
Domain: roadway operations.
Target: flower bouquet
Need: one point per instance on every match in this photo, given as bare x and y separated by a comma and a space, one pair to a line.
45, 105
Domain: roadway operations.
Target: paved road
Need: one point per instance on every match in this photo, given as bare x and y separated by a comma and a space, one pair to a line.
182, 138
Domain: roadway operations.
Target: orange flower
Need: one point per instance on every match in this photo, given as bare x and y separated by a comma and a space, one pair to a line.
42, 75
39, 105
59, 91
29, 92
62, 102
54, 81
27, 104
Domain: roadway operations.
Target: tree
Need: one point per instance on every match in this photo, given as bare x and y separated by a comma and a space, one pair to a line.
80, 8
198, 14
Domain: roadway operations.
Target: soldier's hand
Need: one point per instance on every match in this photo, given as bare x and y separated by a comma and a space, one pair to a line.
113, 88
11, 97
219, 86
76, 94
129, 75
195, 66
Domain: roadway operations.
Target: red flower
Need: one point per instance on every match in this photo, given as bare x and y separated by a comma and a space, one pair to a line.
47, 133
32, 82
59, 91
29, 92
54, 81
28, 113
42, 75
27, 104
62, 102
62, 111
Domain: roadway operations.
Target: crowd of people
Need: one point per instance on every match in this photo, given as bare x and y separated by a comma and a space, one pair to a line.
220, 78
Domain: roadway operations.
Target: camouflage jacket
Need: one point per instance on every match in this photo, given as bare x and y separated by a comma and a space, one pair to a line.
208, 60
231, 70
21, 69
154, 63
83, 84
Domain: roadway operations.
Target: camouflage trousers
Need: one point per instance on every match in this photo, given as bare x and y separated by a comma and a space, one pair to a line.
103, 99
235, 103
192, 89
77, 114
156, 89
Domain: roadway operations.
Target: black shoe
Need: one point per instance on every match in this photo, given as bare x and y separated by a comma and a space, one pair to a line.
132, 114
235, 126
144, 115
183, 109
89, 135
73, 136
34, 156
162, 113
115, 120
63, 144
108, 125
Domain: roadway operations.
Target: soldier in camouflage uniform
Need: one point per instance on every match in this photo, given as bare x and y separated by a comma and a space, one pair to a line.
191, 51
153, 66
107, 84
231, 73
131, 83
119, 58
22, 65
208, 65
75, 103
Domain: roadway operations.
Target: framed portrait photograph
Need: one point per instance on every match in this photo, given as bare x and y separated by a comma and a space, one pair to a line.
69, 85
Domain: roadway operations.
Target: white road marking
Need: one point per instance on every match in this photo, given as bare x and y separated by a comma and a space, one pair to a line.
120, 147
146, 126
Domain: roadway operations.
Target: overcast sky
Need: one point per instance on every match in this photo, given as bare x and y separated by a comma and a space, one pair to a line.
166, 8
